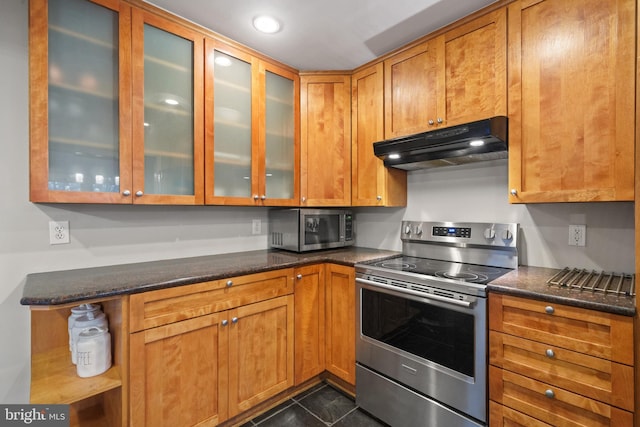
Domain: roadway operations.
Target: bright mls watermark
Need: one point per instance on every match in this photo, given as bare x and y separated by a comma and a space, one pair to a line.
34, 415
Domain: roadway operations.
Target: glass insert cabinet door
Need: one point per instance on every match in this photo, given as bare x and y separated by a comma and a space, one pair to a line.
233, 130
281, 147
79, 142
167, 112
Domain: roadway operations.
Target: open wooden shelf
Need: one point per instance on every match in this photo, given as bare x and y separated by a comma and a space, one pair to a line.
54, 379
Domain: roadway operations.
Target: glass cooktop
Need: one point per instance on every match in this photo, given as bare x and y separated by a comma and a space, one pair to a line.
445, 269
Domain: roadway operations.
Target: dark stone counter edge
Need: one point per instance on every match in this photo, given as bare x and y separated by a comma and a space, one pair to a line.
33, 295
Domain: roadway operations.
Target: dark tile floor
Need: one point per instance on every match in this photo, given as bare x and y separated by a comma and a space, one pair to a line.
320, 406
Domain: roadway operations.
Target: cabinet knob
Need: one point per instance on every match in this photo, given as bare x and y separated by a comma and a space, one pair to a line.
549, 393
431, 122
126, 193
229, 283
234, 320
378, 198
263, 197
514, 192
256, 197
225, 322
299, 276
304, 199
550, 354
549, 309
440, 120
139, 193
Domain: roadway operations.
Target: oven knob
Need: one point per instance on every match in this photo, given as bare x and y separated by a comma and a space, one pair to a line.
489, 233
507, 235
407, 229
419, 231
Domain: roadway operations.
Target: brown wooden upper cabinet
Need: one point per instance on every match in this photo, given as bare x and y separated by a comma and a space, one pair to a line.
115, 105
325, 124
456, 77
252, 144
571, 100
372, 184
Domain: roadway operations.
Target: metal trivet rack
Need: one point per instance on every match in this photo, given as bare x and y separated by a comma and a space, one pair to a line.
609, 283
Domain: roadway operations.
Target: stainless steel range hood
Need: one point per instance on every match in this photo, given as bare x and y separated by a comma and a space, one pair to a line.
472, 142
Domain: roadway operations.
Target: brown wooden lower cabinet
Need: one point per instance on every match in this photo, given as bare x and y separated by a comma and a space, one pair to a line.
559, 365
217, 363
309, 293
340, 320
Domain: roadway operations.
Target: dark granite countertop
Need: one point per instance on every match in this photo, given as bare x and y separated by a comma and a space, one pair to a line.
68, 286
531, 282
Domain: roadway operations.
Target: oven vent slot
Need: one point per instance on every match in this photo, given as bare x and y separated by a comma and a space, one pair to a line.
427, 290
608, 283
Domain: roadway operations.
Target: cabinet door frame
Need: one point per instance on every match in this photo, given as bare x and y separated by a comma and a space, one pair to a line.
340, 347
335, 190
309, 313
211, 45
237, 401
39, 107
139, 19
619, 184
139, 356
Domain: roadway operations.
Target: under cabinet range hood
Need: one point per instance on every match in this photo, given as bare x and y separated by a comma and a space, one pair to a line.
471, 142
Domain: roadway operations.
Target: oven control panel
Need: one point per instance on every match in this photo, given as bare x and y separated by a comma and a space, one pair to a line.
471, 233
452, 231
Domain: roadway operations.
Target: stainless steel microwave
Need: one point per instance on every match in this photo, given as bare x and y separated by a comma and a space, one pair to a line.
303, 229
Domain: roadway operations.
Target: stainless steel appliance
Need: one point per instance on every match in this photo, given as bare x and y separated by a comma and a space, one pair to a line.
304, 229
466, 143
421, 347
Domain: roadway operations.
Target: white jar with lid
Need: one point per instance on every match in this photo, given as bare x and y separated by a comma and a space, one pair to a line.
76, 312
86, 321
93, 352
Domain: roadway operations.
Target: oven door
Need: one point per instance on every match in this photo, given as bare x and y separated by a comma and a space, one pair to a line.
432, 344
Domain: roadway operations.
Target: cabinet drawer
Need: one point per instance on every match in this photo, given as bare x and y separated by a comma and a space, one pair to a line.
502, 416
551, 404
600, 379
599, 334
156, 308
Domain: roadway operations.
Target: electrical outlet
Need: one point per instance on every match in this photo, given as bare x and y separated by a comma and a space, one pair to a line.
58, 232
256, 226
577, 235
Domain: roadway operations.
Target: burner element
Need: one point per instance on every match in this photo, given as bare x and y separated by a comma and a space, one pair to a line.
397, 265
465, 276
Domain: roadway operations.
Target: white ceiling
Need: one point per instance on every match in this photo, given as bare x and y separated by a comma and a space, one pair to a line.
327, 34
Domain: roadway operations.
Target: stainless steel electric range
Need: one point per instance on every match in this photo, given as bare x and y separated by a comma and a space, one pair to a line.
421, 348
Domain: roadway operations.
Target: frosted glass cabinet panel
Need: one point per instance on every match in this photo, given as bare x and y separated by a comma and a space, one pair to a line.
232, 126
168, 131
168, 113
280, 137
77, 101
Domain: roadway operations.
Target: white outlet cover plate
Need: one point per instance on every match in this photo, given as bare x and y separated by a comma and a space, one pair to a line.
58, 232
577, 235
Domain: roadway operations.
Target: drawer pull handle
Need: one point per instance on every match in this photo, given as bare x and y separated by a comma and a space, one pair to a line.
550, 394
549, 310
229, 283
550, 354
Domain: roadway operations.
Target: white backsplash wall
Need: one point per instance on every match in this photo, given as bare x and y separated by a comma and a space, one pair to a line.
478, 193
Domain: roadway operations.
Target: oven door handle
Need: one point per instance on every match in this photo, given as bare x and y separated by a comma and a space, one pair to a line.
465, 304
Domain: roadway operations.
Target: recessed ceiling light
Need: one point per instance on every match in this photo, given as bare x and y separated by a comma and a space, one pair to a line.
266, 24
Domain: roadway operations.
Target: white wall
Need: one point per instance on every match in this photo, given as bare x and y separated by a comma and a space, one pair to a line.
478, 192
104, 235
